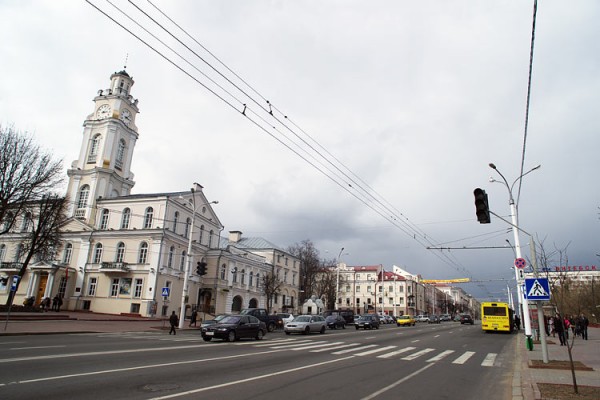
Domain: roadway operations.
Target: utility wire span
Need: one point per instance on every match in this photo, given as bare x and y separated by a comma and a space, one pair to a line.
329, 166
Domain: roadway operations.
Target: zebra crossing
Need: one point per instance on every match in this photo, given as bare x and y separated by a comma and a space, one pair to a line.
409, 353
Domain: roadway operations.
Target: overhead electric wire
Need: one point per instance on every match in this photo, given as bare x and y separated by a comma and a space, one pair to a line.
400, 221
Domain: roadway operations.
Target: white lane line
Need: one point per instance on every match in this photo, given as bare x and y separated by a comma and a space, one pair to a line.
489, 360
335, 347
378, 350
268, 344
354, 349
36, 347
204, 389
415, 341
398, 382
463, 359
440, 356
417, 354
436, 336
395, 353
314, 346
291, 346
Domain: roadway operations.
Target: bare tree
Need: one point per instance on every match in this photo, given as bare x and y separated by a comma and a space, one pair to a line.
26, 174
41, 239
271, 286
310, 266
326, 283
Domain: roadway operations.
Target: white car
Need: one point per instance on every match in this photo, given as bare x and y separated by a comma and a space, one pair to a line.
306, 324
286, 317
422, 318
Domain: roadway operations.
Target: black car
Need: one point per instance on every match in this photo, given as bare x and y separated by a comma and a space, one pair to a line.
466, 319
234, 327
335, 321
367, 322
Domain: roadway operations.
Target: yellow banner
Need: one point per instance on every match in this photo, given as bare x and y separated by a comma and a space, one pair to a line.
457, 280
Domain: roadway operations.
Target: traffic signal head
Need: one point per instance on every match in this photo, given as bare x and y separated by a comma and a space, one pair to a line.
482, 208
201, 268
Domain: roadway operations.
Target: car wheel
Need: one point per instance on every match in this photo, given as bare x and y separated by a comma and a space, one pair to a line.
288, 333
307, 330
271, 327
344, 326
376, 326
357, 327
260, 334
206, 338
231, 336
334, 326
322, 330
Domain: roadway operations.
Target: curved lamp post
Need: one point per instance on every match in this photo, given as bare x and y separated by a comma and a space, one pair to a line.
515, 227
188, 264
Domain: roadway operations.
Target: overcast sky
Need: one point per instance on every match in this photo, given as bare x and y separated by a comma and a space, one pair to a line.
414, 97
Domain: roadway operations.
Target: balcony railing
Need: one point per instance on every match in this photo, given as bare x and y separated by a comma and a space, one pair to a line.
114, 267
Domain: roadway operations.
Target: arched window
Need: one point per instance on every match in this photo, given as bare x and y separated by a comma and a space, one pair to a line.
243, 277
125, 217
2, 251
26, 222
8, 221
67, 253
223, 270
171, 255
120, 154
201, 234
143, 254
188, 223
234, 275
175, 218
18, 252
120, 252
98, 253
210, 239
94, 147
257, 279
251, 278
182, 261
104, 220
82, 201
148, 218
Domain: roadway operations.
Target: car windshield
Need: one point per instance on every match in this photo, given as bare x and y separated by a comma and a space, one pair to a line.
403, 317
302, 318
230, 320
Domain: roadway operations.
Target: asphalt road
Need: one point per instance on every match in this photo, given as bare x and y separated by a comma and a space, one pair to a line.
428, 361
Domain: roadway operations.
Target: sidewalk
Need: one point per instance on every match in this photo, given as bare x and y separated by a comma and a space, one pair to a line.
527, 378
78, 322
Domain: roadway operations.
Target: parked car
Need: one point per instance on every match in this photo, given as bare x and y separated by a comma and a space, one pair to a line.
405, 320
212, 321
306, 324
422, 318
445, 317
286, 317
368, 321
234, 327
434, 319
466, 319
335, 321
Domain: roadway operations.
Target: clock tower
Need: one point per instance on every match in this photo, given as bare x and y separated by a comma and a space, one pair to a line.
109, 135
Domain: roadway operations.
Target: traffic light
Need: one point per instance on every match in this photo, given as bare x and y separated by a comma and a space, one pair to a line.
482, 207
201, 268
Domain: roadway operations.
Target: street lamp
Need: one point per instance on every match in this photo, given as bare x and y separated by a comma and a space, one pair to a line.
515, 227
337, 279
188, 264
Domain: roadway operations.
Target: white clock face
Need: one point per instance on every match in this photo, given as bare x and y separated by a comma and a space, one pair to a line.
126, 117
103, 111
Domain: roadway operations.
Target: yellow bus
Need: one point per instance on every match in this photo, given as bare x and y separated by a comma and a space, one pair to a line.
496, 317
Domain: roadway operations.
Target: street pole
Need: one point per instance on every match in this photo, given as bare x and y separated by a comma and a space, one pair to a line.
188, 264
337, 280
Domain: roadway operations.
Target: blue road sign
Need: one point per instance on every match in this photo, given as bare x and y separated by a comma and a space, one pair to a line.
15, 282
537, 289
166, 291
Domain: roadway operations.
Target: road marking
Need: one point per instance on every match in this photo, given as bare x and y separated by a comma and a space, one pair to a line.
268, 344
398, 382
222, 385
415, 341
440, 356
462, 359
314, 346
489, 360
335, 347
378, 350
354, 349
36, 347
417, 354
436, 336
395, 353
292, 345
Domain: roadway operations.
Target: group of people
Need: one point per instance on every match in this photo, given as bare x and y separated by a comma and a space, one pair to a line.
56, 303
559, 325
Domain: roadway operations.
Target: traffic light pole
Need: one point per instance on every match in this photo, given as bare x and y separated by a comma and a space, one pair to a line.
188, 265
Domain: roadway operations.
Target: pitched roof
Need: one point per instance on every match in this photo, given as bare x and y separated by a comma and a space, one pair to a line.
254, 243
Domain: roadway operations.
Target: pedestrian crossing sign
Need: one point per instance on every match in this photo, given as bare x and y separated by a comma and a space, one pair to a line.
166, 291
537, 289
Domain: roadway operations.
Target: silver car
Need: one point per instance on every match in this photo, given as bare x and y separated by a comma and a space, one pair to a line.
306, 324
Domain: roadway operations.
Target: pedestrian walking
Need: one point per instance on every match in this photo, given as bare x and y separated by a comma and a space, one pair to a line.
551, 326
55, 303
58, 303
45, 305
517, 322
559, 328
174, 321
585, 322
193, 318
